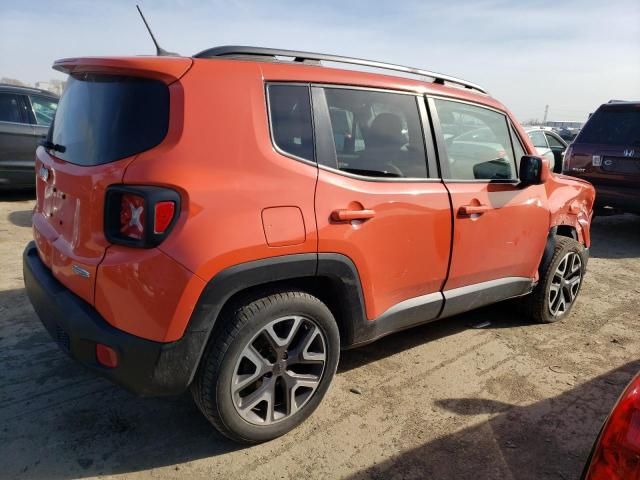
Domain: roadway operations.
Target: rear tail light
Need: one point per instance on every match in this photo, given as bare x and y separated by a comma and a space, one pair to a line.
132, 216
140, 216
616, 455
566, 159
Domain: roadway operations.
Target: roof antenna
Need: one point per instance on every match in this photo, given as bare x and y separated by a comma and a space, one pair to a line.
161, 52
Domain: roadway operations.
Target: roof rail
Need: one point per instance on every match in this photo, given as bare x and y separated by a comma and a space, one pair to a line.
28, 88
240, 51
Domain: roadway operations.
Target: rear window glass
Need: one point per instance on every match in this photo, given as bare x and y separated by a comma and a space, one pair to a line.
10, 108
103, 118
290, 110
613, 125
537, 138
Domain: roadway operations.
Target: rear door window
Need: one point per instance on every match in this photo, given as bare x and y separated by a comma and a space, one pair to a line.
291, 127
477, 142
613, 125
12, 108
103, 118
375, 134
537, 138
553, 141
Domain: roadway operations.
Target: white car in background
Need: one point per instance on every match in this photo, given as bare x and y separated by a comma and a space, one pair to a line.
549, 145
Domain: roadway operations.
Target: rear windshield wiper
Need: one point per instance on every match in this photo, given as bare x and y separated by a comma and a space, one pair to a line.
371, 173
56, 147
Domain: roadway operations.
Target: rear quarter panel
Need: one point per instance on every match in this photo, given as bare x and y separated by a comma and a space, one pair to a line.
229, 176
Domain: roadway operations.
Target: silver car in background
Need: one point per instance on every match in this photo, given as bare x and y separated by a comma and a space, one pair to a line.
549, 145
25, 116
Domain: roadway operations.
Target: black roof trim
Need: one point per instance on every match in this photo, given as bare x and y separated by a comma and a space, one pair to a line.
307, 57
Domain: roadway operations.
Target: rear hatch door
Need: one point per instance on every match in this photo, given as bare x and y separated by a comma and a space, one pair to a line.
112, 110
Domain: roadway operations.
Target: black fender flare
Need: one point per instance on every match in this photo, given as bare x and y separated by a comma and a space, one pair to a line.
551, 243
345, 297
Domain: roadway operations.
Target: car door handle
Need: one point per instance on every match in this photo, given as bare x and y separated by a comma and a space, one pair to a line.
468, 210
348, 215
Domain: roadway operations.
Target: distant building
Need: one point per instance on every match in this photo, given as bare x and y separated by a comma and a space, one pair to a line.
13, 81
54, 85
564, 124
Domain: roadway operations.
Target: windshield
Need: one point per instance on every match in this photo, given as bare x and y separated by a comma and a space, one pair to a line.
103, 118
613, 125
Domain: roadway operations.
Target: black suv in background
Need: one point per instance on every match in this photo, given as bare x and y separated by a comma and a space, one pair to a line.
607, 154
25, 116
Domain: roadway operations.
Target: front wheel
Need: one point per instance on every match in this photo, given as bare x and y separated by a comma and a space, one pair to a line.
268, 367
560, 282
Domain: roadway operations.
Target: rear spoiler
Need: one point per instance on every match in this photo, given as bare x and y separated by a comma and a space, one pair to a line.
166, 69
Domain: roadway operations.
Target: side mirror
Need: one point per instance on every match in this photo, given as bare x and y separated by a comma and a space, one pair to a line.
532, 170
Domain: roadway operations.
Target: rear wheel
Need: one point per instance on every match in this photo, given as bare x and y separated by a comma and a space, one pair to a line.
268, 366
560, 281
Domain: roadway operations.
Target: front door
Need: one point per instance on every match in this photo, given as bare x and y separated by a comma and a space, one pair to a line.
375, 202
499, 228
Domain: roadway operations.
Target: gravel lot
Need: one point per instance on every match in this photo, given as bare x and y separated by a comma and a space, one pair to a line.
442, 401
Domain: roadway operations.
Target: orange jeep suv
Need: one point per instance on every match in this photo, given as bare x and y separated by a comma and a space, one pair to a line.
230, 221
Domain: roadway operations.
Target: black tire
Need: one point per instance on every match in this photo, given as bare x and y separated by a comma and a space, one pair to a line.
537, 303
211, 388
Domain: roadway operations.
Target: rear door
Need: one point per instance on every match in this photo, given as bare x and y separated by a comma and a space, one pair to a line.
499, 228
377, 202
16, 141
101, 123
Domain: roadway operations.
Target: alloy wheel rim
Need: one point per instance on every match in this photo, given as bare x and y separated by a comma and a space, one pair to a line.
565, 284
279, 370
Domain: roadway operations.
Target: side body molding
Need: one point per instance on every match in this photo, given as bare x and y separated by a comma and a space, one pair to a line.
463, 299
338, 278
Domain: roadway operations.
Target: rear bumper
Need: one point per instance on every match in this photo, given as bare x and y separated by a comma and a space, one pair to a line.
622, 198
145, 367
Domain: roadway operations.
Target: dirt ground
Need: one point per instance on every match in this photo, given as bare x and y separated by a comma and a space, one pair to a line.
442, 401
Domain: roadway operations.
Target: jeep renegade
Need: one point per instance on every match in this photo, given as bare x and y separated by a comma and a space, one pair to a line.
228, 222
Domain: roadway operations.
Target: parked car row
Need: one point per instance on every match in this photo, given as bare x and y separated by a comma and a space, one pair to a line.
607, 154
567, 130
25, 116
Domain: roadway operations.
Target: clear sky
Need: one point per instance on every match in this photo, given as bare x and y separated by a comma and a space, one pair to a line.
570, 54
